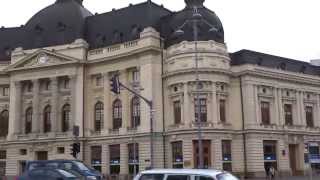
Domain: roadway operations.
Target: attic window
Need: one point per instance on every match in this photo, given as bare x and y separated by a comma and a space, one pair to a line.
116, 37
61, 26
135, 31
303, 69
7, 51
259, 61
282, 66
38, 28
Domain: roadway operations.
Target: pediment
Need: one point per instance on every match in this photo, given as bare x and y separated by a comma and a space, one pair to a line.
42, 58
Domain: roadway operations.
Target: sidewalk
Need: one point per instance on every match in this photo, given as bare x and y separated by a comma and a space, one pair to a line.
290, 178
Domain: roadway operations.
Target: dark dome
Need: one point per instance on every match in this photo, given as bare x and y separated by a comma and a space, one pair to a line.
59, 23
173, 22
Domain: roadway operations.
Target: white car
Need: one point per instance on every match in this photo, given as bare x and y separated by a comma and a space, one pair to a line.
184, 174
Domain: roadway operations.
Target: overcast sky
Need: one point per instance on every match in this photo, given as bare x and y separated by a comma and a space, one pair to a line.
289, 28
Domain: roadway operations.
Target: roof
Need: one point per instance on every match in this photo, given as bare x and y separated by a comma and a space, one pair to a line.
205, 172
271, 61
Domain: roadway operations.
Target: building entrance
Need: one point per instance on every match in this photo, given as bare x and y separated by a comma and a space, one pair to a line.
206, 144
293, 156
42, 155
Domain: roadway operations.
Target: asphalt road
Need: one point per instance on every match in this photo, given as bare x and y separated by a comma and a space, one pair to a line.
290, 178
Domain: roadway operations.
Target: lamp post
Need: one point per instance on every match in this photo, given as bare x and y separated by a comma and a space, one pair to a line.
196, 18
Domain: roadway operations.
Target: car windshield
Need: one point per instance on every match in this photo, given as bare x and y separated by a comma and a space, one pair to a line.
151, 177
65, 173
81, 166
226, 176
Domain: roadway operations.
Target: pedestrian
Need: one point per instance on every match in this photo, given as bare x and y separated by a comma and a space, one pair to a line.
272, 172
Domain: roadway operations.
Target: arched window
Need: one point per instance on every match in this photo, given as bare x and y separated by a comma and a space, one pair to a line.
28, 125
135, 112
4, 123
117, 114
98, 116
65, 118
47, 119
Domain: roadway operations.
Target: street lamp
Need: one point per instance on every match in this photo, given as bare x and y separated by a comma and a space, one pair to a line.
196, 18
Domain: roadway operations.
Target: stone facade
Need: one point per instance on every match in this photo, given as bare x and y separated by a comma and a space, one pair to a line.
72, 74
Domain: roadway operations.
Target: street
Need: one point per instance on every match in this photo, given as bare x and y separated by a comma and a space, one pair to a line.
291, 178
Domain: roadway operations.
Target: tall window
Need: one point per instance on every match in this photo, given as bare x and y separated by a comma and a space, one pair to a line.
5, 91
270, 154
28, 125
96, 159
222, 108
47, 119
117, 114
98, 80
135, 110
136, 76
265, 113
177, 155
288, 114
4, 123
98, 116
177, 112
203, 110
65, 117
66, 83
226, 155
133, 150
114, 159
309, 116
3, 157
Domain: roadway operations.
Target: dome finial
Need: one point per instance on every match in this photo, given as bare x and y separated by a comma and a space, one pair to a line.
194, 3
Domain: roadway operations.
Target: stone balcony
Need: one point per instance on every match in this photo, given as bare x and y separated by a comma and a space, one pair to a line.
275, 127
42, 136
204, 125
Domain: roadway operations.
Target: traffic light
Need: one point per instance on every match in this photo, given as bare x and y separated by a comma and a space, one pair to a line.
75, 149
115, 84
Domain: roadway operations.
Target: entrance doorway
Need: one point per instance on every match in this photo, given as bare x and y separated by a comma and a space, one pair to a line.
293, 149
42, 155
206, 144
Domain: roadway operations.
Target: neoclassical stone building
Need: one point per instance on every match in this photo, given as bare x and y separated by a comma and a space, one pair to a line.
257, 110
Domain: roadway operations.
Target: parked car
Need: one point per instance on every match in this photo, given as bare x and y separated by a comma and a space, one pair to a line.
73, 166
184, 174
47, 174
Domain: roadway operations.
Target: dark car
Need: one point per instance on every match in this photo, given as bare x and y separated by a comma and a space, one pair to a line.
47, 174
72, 166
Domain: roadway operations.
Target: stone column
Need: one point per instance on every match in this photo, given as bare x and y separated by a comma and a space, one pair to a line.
124, 159
107, 102
317, 114
214, 104
72, 82
303, 114
257, 115
54, 105
186, 105
37, 123
281, 112
18, 121
125, 101
276, 116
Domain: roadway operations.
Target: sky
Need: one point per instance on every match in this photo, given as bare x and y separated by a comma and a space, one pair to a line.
288, 28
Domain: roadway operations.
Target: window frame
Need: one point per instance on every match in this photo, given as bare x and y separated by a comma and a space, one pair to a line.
288, 114
4, 124
309, 115
117, 114
135, 112
203, 110
222, 110
98, 116
177, 112
66, 114
265, 112
47, 125
28, 120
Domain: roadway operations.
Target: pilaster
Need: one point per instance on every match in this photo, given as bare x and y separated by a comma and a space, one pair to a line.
186, 105
107, 102
37, 124
214, 102
54, 105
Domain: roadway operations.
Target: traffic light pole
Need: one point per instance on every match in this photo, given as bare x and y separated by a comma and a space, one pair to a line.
150, 104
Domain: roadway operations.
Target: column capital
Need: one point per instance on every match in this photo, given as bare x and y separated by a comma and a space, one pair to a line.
54, 81
17, 83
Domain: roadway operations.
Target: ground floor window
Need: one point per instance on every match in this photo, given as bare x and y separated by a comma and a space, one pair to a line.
133, 150
114, 159
270, 155
2, 168
226, 155
96, 152
206, 149
177, 155
22, 167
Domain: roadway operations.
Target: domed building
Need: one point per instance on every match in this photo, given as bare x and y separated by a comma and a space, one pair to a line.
249, 110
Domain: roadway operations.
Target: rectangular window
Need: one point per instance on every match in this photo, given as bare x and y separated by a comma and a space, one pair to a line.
288, 114
133, 150
270, 150
5, 91
60, 150
265, 113
177, 154
177, 112
98, 80
203, 110
309, 116
136, 76
2, 168
226, 155
66, 83
96, 153
114, 159
3, 155
222, 108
